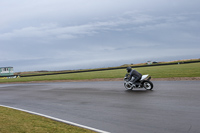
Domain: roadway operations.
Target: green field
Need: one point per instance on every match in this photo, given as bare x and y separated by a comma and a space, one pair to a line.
14, 121
169, 71
179, 70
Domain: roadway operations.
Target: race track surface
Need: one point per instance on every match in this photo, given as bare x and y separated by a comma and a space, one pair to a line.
171, 107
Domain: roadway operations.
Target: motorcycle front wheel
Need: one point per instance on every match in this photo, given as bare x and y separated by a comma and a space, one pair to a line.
128, 86
148, 85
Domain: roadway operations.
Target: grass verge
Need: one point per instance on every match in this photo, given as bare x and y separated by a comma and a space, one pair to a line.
14, 121
169, 71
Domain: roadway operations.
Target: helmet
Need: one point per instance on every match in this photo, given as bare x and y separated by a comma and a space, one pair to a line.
128, 69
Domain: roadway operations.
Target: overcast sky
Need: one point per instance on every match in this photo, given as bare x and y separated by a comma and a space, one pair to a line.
79, 34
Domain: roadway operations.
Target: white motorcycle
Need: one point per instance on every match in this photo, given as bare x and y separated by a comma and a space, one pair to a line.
144, 82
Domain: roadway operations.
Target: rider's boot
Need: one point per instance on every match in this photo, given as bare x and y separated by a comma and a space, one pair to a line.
133, 86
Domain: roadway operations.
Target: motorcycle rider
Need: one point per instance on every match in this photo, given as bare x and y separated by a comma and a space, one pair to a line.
133, 73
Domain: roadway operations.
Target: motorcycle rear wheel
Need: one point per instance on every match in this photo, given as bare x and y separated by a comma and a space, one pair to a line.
148, 85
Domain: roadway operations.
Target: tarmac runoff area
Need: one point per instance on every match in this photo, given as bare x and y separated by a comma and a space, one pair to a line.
105, 106
111, 79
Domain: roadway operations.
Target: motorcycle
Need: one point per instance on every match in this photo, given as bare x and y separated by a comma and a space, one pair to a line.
144, 82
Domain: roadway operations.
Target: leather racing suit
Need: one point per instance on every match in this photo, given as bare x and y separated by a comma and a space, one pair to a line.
137, 76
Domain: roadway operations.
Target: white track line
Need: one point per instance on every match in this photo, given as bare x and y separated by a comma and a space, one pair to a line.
57, 119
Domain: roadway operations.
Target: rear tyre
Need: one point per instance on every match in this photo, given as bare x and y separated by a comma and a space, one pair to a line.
148, 85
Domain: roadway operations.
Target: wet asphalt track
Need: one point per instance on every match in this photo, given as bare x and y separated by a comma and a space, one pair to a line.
172, 107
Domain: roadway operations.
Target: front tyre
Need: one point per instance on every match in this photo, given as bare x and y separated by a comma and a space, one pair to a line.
128, 86
148, 85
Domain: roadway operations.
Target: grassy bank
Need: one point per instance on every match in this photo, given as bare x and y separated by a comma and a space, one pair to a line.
169, 71
179, 70
32, 73
14, 121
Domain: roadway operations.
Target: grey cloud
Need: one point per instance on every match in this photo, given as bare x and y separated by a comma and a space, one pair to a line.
83, 34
